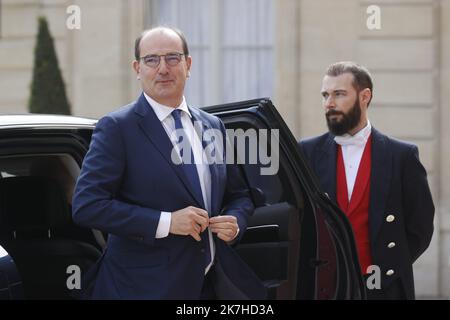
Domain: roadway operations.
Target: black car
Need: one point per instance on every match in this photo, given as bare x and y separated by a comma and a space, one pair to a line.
298, 241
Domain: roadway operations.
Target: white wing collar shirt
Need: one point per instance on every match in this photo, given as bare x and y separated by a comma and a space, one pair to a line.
352, 150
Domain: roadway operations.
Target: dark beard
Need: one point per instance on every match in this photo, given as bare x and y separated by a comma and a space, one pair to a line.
347, 122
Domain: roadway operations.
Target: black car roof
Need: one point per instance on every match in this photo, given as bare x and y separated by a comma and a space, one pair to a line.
44, 120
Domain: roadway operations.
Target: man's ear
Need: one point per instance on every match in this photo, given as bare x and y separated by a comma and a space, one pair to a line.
136, 67
365, 96
188, 64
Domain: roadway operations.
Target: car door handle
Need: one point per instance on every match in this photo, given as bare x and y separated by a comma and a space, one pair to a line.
262, 233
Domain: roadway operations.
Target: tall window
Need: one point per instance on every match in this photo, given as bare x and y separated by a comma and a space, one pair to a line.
231, 44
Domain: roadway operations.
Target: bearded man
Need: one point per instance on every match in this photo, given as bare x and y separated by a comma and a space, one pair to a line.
377, 181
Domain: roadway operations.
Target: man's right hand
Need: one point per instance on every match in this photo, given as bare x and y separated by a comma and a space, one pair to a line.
189, 221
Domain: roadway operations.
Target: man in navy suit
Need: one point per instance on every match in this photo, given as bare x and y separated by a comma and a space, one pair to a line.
170, 225
377, 181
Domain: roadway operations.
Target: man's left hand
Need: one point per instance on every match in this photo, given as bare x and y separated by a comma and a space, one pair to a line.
226, 227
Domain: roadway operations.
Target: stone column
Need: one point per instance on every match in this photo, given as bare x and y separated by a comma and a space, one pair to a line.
328, 33
102, 54
443, 200
287, 62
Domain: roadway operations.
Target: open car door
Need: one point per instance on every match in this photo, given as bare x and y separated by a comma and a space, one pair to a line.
297, 241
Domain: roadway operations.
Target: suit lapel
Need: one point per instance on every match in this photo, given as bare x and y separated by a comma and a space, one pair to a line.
379, 182
157, 135
326, 167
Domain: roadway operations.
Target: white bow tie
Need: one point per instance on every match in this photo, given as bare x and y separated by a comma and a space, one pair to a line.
348, 140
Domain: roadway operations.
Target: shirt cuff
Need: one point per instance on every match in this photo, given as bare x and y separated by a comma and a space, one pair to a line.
237, 232
164, 225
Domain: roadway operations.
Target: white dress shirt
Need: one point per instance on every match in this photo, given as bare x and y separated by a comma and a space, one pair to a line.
164, 115
352, 150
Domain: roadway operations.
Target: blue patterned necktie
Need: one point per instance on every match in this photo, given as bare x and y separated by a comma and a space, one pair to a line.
190, 169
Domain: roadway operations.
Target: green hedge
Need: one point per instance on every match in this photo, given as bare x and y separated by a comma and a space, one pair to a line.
48, 94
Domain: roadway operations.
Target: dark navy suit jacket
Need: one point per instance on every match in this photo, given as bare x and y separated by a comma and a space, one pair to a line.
398, 187
126, 180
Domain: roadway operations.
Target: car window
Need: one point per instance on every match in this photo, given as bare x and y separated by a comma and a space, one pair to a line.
274, 187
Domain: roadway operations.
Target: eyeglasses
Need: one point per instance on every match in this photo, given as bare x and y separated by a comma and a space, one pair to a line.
153, 60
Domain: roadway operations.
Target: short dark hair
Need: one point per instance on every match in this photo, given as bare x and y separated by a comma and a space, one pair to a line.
137, 42
361, 76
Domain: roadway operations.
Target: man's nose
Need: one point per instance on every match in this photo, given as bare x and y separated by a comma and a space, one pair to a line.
162, 68
329, 103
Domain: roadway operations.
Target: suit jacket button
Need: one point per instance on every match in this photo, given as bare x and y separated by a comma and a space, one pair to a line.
390, 218
390, 272
391, 245
202, 250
